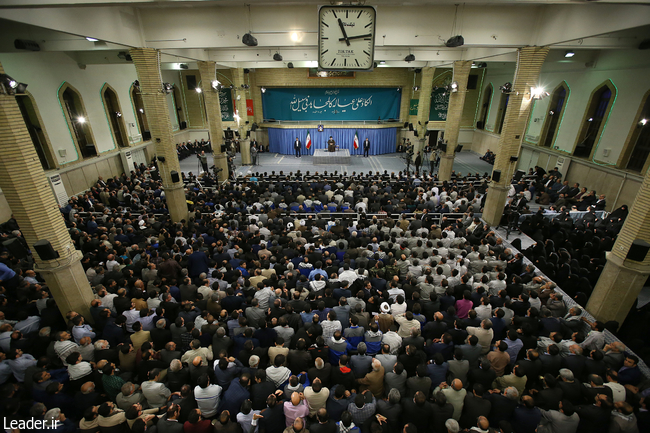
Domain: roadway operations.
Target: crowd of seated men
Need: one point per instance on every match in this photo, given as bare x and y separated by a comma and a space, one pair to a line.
192, 148
488, 157
256, 318
549, 187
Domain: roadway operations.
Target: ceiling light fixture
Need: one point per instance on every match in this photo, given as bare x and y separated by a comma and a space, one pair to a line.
277, 57
198, 89
295, 36
10, 86
506, 88
81, 119
454, 87
409, 58
538, 93
569, 54
263, 89
91, 39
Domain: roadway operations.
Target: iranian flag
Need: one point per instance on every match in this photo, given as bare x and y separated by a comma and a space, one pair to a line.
356, 140
308, 145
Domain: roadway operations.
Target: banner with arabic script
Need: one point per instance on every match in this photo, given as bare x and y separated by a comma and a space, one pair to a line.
227, 108
439, 104
322, 104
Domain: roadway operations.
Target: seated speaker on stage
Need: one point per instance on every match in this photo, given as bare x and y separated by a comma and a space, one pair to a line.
331, 145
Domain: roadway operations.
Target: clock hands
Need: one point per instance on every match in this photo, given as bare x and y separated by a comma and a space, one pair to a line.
345, 35
356, 37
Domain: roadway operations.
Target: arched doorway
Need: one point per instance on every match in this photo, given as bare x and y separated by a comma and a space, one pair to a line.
114, 116
75, 114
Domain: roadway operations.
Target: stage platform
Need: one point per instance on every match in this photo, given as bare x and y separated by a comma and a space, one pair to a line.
323, 157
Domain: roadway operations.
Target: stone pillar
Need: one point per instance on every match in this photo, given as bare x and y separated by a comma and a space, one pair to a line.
529, 64
208, 73
36, 210
424, 106
245, 150
239, 80
454, 117
147, 65
622, 279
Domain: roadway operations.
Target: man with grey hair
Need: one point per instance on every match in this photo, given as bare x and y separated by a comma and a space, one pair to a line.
361, 362
374, 381
391, 408
452, 426
128, 397
54, 418
571, 390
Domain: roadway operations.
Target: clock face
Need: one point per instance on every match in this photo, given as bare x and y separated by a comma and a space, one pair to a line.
346, 37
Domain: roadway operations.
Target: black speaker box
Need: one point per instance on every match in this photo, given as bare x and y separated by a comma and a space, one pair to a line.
518, 175
146, 135
175, 177
45, 251
16, 248
496, 175
183, 125
638, 250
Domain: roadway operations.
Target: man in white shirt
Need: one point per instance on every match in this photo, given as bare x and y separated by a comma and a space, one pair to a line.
330, 326
156, 393
207, 396
65, 346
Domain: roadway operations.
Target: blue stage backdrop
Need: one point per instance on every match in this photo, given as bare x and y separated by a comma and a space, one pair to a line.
382, 140
322, 104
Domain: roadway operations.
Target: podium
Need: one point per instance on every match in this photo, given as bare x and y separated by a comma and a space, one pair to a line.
331, 147
245, 149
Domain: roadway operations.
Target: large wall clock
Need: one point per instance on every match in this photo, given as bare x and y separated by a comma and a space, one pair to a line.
346, 38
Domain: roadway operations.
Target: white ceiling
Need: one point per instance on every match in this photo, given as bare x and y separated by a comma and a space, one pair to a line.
201, 30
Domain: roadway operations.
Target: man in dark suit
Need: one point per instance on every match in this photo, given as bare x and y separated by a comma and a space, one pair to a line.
297, 145
474, 406
366, 147
595, 417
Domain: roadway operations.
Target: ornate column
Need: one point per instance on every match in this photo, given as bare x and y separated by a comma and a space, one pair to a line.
239, 80
424, 106
147, 65
36, 210
208, 73
622, 279
529, 65
454, 117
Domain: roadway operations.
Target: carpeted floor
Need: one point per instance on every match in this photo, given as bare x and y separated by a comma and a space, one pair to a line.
465, 162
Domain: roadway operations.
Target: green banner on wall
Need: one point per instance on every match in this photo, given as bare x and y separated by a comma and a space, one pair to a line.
227, 108
413, 107
439, 104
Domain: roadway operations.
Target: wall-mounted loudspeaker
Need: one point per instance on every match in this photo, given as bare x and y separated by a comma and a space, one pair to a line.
496, 175
638, 250
16, 248
45, 251
175, 176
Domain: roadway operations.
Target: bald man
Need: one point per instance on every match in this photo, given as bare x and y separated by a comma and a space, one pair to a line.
295, 409
455, 395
